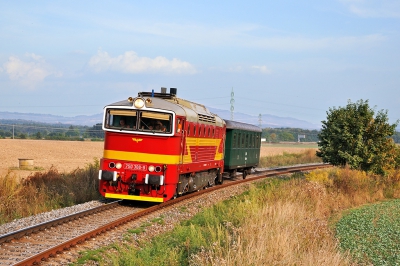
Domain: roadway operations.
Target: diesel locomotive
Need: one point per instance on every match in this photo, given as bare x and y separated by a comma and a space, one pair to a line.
158, 146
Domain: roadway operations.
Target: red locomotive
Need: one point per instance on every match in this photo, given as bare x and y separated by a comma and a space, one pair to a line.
158, 146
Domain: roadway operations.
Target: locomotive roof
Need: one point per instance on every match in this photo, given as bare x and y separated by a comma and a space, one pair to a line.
193, 112
243, 126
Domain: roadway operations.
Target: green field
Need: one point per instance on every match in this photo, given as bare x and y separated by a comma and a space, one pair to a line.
372, 233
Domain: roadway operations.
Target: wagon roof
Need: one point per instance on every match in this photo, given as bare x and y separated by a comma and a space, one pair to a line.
243, 126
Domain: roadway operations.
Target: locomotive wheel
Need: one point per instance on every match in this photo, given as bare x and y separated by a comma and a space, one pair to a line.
219, 179
244, 174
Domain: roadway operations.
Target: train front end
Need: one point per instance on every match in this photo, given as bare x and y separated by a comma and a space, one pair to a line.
142, 149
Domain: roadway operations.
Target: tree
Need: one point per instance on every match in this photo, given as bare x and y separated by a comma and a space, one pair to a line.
39, 135
273, 137
72, 132
286, 136
352, 136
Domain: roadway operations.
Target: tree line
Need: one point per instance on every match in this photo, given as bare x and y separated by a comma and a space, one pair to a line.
23, 129
275, 135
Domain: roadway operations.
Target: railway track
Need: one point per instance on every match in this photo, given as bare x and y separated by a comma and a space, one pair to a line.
35, 244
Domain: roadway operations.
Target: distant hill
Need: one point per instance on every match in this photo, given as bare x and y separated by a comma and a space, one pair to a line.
90, 120
267, 120
82, 120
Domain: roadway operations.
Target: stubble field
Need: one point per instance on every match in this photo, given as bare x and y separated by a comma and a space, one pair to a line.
66, 156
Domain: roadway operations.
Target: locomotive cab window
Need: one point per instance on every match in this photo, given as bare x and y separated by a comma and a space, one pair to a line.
133, 120
155, 122
121, 119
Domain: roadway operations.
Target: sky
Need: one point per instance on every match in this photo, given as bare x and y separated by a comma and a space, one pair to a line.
284, 58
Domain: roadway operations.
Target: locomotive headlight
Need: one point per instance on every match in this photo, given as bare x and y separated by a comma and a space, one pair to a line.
151, 168
118, 165
138, 103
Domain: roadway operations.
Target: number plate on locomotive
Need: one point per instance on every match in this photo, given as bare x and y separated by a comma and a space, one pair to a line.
136, 167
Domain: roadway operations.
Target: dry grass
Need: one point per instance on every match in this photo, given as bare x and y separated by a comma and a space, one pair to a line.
290, 223
286, 226
18, 200
301, 156
45, 191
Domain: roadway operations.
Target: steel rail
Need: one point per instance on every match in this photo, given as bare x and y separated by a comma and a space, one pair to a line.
53, 223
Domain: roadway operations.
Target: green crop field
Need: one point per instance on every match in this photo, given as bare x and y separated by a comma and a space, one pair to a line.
372, 233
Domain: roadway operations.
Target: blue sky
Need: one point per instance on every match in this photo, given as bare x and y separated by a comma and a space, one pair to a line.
285, 58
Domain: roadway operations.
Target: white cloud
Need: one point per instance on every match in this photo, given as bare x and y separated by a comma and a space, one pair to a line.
29, 72
374, 8
261, 69
130, 62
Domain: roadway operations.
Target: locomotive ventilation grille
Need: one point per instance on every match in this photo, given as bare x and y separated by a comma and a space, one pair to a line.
206, 118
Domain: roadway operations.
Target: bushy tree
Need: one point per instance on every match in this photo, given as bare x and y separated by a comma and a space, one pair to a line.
286, 136
39, 135
72, 132
355, 136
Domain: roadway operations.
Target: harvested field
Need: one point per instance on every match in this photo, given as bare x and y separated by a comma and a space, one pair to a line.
268, 149
66, 156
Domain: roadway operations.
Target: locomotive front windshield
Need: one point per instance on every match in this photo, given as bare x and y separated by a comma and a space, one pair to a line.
134, 120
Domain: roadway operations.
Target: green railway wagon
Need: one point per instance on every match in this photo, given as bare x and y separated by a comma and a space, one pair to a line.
242, 148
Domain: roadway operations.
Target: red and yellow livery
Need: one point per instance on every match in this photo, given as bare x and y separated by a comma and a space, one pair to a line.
158, 146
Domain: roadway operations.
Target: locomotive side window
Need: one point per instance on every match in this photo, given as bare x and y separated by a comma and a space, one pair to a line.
178, 125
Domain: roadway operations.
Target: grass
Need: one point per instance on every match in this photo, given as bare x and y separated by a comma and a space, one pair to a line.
35, 168
307, 156
282, 221
46, 191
